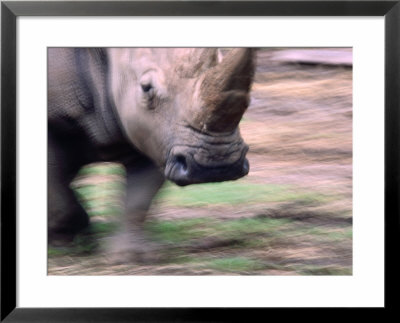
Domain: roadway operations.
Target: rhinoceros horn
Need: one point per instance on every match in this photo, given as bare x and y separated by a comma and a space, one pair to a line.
225, 91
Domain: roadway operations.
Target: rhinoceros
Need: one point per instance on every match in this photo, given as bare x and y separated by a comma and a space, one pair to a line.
163, 113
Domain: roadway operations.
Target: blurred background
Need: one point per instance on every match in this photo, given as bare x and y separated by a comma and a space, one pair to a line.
292, 215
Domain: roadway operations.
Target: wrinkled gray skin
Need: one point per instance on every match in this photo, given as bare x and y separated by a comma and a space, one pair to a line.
162, 113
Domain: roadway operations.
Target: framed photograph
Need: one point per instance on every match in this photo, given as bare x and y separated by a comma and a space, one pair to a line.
109, 110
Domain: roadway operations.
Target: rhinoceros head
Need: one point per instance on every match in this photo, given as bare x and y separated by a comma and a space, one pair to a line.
182, 106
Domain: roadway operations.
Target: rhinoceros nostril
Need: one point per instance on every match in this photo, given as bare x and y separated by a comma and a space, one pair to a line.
181, 164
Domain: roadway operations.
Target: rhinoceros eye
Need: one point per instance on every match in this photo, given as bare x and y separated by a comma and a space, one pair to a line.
147, 87
149, 94
148, 90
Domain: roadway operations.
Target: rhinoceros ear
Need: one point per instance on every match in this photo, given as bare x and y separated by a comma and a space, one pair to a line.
225, 91
196, 61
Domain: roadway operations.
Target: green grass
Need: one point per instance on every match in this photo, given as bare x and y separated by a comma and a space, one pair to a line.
103, 169
187, 230
102, 199
58, 252
177, 231
341, 235
234, 264
248, 227
233, 193
322, 233
103, 229
324, 271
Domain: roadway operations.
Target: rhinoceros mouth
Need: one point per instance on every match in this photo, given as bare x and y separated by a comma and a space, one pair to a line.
183, 169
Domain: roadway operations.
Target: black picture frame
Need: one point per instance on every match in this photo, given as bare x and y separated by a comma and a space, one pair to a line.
11, 10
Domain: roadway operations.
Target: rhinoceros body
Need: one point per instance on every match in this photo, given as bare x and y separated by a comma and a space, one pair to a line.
163, 113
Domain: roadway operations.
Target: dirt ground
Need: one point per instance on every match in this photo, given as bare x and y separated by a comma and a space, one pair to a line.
299, 129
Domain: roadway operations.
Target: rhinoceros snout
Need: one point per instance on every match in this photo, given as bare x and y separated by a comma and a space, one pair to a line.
183, 170
246, 167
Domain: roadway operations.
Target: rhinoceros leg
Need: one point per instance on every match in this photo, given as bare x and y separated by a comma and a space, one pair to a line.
66, 216
131, 243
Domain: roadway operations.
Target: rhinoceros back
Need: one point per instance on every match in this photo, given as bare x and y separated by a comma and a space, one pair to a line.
79, 108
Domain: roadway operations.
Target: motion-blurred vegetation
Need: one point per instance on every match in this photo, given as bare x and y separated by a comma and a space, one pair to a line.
211, 244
